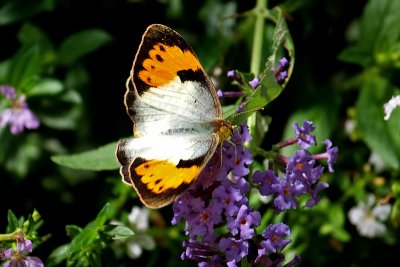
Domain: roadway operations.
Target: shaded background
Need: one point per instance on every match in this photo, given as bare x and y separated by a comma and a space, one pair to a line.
65, 196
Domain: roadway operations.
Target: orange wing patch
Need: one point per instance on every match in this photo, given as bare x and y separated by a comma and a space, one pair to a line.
164, 62
160, 176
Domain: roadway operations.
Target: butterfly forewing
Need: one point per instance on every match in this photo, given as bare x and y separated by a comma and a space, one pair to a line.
167, 75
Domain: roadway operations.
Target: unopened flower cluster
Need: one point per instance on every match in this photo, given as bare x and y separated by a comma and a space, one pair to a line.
219, 222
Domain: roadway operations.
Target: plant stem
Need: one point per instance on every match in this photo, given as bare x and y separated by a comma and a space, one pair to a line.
258, 36
10, 236
257, 49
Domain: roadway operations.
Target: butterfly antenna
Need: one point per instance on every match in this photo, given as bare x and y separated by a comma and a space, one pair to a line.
230, 118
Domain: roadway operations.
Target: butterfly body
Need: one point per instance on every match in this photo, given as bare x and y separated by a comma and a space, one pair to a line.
177, 118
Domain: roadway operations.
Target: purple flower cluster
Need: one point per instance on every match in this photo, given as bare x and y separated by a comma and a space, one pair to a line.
301, 176
281, 71
220, 223
280, 74
18, 258
19, 116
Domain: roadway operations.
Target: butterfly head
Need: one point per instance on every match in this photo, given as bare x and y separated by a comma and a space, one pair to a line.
223, 129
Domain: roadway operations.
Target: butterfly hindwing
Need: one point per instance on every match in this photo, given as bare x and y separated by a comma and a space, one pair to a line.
160, 182
158, 172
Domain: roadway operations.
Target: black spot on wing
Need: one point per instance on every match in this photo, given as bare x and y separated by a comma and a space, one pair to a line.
159, 58
191, 162
191, 75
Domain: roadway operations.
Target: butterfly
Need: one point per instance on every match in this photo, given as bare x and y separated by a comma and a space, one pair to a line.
177, 118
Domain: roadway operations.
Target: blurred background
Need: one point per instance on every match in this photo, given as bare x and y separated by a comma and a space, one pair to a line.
81, 53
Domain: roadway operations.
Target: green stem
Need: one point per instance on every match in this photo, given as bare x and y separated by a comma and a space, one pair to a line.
258, 36
10, 236
244, 262
257, 49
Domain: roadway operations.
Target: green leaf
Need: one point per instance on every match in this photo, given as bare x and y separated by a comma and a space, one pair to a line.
4, 70
379, 34
85, 247
381, 136
73, 230
337, 232
102, 158
336, 215
57, 256
17, 10
28, 225
380, 24
82, 43
396, 189
63, 113
117, 231
13, 222
394, 122
77, 77
357, 54
395, 215
37, 221
23, 68
102, 216
30, 35
48, 86
20, 158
